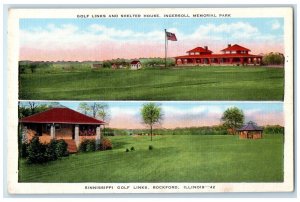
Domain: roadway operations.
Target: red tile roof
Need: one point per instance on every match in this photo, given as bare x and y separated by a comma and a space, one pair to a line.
61, 115
236, 47
134, 62
199, 49
218, 56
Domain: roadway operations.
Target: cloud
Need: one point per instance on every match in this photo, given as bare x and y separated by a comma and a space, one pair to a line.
275, 25
187, 116
99, 42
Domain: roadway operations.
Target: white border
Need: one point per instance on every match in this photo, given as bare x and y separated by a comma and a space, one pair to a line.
13, 36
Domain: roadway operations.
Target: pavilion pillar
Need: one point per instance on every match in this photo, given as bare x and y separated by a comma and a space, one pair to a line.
182, 61
77, 140
241, 60
201, 61
230, 60
194, 61
24, 134
259, 60
98, 137
52, 131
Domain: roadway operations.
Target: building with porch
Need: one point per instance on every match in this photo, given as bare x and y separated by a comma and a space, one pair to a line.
250, 131
232, 55
61, 123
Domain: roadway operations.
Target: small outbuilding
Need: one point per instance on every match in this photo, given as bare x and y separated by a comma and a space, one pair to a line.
135, 64
250, 131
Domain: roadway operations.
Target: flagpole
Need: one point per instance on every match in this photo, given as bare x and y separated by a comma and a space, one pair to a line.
166, 48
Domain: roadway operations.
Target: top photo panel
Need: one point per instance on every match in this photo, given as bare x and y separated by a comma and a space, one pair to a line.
154, 54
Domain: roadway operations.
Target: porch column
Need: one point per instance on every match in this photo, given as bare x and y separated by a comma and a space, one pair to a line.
230, 60
77, 140
194, 61
98, 136
241, 60
52, 131
259, 61
24, 134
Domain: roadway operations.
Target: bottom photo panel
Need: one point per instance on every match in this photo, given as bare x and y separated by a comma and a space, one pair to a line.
139, 145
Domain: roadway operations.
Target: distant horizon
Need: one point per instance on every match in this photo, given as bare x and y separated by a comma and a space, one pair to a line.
184, 114
106, 39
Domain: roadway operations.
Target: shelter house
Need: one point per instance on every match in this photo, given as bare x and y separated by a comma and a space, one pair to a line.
250, 131
61, 123
232, 55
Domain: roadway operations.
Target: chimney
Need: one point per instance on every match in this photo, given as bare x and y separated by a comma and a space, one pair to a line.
205, 47
229, 45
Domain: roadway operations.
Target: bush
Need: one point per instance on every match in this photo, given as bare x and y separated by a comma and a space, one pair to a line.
105, 144
87, 145
36, 151
132, 148
150, 147
41, 153
127, 150
24, 149
50, 152
61, 149
91, 146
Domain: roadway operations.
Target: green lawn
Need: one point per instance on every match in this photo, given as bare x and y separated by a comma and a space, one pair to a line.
197, 83
177, 158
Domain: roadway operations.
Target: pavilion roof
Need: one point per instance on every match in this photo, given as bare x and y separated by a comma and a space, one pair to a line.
61, 115
199, 49
251, 126
236, 47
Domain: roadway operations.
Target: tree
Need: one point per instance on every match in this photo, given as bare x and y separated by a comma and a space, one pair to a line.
30, 108
233, 118
84, 108
273, 59
151, 114
100, 110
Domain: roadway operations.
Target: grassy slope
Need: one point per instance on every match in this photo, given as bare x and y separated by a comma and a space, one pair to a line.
201, 83
179, 158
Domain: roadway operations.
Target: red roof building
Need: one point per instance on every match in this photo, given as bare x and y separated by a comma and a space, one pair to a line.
232, 55
61, 123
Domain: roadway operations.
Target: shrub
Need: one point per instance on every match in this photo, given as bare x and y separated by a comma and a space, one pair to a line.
105, 144
61, 148
41, 153
24, 149
132, 148
36, 151
87, 145
50, 151
91, 146
127, 150
150, 147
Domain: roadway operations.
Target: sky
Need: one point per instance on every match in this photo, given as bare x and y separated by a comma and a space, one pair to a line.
126, 115
109, 38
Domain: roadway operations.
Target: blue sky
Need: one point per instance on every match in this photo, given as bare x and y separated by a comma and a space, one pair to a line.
107, 38
185, 25
188, 114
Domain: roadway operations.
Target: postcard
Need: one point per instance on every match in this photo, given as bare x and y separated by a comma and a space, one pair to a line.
150, 100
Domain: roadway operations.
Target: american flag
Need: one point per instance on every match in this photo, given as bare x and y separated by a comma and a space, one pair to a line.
171, 36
